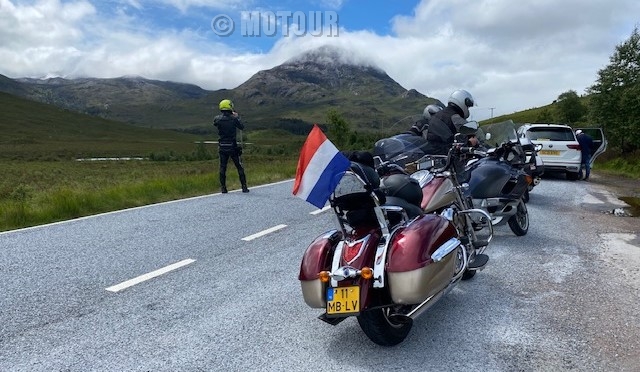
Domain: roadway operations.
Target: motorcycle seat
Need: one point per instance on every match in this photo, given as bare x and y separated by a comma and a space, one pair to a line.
411, 209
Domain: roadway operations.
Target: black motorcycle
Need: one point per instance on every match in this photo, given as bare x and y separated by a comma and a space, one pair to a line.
533, 165
500, 177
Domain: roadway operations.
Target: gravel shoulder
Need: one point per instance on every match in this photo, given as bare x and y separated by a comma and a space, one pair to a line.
621, 186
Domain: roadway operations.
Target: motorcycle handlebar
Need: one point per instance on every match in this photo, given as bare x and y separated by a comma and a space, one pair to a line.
472, 151
457, 149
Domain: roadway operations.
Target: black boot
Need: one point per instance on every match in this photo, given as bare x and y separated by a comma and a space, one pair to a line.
223, 182
243, 180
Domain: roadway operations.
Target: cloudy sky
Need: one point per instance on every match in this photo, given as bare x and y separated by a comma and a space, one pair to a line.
511, 55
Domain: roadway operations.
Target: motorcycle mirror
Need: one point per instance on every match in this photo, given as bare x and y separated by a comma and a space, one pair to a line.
469, 128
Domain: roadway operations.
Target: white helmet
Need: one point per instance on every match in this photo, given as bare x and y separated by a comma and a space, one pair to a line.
430, 110
463, 100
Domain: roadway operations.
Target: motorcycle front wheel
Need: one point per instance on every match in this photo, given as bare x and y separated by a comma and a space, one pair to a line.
381, 329
519, 222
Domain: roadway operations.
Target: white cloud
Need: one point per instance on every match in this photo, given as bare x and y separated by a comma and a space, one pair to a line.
46, 22
184, 5
509, 56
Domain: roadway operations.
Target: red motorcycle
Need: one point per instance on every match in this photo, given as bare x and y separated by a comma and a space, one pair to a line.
389, 261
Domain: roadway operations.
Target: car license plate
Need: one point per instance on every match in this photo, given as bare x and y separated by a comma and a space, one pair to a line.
343, 300
550, 152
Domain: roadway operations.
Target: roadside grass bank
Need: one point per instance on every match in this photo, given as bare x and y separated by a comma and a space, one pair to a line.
625, 166
39, 192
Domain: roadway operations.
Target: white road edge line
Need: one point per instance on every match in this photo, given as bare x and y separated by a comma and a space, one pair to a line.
129, 209
321, 210
264, 232
151, 275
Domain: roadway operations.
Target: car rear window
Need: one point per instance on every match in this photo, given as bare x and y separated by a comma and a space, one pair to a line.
551, 134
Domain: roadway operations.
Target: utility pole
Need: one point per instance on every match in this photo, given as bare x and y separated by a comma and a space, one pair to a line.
492, 108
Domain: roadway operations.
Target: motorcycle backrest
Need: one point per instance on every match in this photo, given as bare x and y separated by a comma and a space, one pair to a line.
354, 200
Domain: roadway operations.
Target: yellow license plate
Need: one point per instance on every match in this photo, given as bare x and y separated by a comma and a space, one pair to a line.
343, 300
550, 152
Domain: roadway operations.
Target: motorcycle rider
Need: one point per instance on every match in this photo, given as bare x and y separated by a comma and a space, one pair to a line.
445, 123
227, 123
420, 127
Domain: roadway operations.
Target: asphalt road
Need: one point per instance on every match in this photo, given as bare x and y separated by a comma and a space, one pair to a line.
564, 297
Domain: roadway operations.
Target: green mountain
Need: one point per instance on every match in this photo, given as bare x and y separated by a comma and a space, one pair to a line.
33, 130
133, 100
301, 90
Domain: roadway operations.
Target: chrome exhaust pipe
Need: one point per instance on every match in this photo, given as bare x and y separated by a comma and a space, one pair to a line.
426, 305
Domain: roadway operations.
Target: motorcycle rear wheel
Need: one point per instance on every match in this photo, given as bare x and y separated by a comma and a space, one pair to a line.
382, 330
519, 222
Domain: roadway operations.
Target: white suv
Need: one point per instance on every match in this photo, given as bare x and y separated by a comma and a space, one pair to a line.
560, 149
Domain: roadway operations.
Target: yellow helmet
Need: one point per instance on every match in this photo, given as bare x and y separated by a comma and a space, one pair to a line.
226, 105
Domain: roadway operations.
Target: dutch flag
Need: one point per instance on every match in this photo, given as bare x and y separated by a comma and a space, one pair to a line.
320, 169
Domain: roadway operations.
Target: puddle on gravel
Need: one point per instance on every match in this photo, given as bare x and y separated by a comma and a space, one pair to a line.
633, 210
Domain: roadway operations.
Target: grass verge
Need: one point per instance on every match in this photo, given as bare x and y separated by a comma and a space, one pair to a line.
34, 193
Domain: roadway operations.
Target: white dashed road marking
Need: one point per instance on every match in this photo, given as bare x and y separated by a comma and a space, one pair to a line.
151, 275
264, 232
321, 210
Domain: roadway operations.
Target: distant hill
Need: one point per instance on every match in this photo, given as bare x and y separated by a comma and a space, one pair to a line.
33, 130
133, 100
302, 89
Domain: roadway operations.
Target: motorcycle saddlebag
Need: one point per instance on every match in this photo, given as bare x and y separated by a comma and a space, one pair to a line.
316, 258
412, 274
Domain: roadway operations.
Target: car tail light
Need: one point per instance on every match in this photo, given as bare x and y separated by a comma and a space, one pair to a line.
574, 147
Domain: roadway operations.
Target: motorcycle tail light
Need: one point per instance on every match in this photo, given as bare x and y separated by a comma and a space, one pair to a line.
351, 250
324, 276
529, 179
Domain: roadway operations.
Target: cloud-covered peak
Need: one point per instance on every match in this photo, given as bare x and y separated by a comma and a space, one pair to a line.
333, 55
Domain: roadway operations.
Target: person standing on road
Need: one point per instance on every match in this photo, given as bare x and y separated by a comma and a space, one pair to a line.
586, 143
227, 123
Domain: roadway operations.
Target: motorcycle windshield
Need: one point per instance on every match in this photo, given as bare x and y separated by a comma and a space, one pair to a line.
400, 149
499, 133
